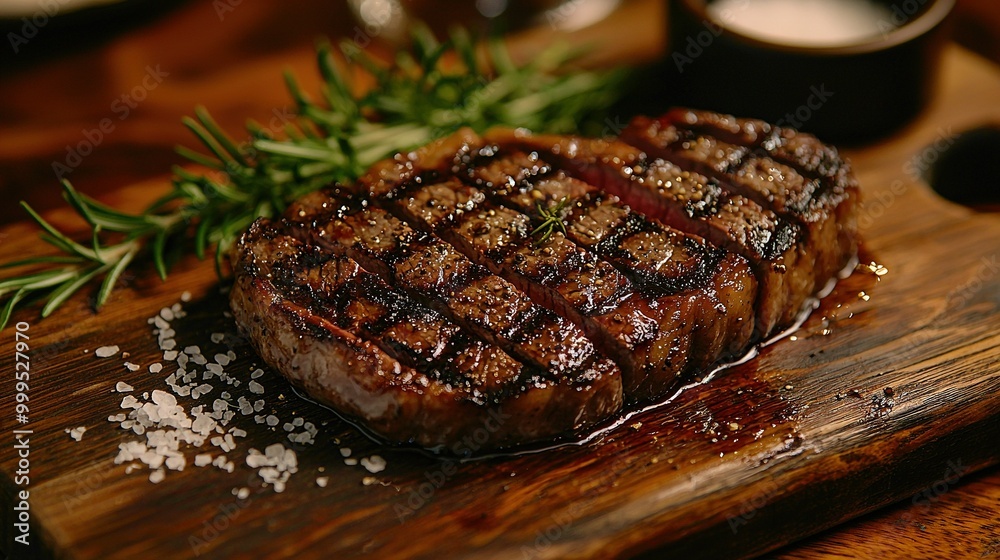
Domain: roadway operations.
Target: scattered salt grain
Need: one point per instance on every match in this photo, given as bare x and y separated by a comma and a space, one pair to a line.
76, 433
345, 451
130, 402
272, 420
256, 373
350, 461
155, 368
222, 359
106, 351
186, 296
157, 476
321, 481
131, 367
374, 464
256, 388
123, 387
243, 493
369, 480
202, 459
218, 337
170, 355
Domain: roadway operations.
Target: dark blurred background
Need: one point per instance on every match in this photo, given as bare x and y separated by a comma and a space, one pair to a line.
145, 64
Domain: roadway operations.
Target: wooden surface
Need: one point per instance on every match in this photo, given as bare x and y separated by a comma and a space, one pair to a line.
817, 440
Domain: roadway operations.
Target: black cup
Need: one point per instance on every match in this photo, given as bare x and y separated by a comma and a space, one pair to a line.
850, 93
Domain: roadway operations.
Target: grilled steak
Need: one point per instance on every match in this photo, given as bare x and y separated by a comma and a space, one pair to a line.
483, 292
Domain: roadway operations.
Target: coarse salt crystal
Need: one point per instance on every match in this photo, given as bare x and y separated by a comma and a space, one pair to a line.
322, 481
130, 402
186, 296
123, 387
106, 351
131, 367
76, 433
155, 368
157, 476
243, 493
218, 337
164, 398
256, 373
256, 388
374, 464
202, 459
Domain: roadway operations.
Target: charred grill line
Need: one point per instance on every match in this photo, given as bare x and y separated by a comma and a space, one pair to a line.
505, 163
420, 301
385, 311
371, 247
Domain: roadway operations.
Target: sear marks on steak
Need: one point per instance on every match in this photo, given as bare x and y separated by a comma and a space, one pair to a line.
404, 370
436, 297
671, 269
691, 202
788, 172
434, 273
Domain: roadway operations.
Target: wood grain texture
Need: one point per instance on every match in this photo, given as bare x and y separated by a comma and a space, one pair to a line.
952, 518
799, 439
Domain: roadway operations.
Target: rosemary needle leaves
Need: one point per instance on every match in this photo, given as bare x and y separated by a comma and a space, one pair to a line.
418, 97
552, 218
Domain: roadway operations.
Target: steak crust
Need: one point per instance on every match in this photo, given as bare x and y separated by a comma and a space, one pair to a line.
400, 369
436, 302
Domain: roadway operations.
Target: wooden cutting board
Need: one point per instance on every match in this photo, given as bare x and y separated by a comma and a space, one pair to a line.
876, 397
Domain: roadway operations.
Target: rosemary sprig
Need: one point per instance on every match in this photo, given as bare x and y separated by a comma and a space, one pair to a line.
415, 99
552, 219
